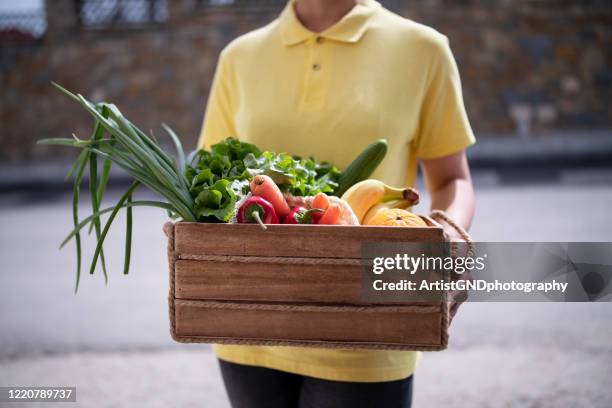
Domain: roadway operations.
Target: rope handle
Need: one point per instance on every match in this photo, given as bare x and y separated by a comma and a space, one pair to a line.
454, 305
439, 215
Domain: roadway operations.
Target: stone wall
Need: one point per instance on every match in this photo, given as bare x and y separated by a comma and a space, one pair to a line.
546, 61
543, 65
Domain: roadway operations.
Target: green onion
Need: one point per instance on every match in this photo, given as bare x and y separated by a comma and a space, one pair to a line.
128, 236
87, 220
76, 188
93, 191
111, 218
115, 140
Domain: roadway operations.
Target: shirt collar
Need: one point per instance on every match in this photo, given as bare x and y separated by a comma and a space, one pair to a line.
349, 29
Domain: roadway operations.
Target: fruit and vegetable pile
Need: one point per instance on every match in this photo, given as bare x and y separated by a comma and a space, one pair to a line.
232, 182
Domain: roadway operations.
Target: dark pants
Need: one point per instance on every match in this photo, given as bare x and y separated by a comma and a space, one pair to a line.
258, 387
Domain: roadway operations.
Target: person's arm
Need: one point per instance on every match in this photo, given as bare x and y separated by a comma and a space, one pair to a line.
444, 134
449, 185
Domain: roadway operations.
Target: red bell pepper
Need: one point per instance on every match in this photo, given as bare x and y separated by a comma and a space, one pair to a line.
301, 215
257, 210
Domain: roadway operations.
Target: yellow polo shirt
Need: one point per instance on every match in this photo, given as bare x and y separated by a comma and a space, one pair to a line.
372, 75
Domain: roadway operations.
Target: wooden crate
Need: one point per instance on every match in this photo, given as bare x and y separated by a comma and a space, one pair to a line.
297, 285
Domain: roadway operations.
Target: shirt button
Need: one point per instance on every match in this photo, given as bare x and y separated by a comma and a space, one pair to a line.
316, 67
319, 40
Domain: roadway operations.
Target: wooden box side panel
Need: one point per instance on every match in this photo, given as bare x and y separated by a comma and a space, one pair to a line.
406, 326
312, 241
205, 322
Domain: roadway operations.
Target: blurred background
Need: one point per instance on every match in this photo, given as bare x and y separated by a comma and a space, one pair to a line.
537, 87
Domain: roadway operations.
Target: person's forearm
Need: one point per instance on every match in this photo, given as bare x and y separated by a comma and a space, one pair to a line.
456, 198
449, 185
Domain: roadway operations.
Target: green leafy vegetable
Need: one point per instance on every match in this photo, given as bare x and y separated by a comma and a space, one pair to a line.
218, 179
237, 162
117, 141
297, 176
217, 200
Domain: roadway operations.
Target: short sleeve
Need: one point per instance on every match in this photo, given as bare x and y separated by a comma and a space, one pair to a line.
219, 117
444, 127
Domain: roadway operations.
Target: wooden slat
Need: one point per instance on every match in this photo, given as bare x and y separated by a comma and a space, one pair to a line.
273, 282
267, 282
316, 241
402, 327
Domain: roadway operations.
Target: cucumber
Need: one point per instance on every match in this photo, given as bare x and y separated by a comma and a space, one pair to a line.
363, 166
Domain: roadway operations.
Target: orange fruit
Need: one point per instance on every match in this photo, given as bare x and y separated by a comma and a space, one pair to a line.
396, 217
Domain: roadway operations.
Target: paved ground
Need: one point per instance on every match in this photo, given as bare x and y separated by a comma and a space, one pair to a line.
113, 344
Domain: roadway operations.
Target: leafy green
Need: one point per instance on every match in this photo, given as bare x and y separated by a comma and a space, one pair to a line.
216, 200
237, 163
294, 175
218, 179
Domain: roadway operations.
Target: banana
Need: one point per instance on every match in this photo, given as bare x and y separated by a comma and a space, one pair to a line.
403, 204
367, 193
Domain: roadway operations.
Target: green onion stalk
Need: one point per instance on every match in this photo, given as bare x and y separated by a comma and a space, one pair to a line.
115, 140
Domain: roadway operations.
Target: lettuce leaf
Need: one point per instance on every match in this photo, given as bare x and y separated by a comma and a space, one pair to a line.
217, 201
